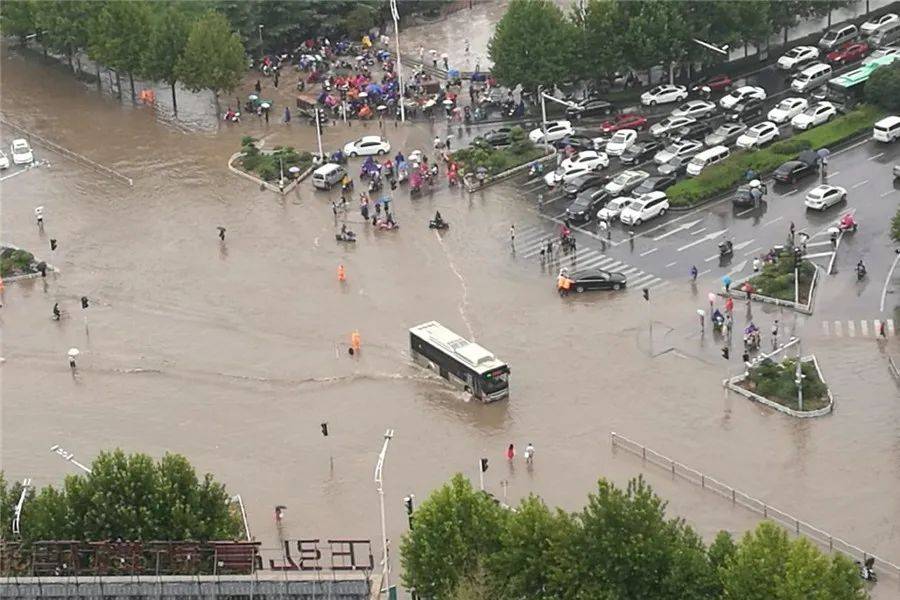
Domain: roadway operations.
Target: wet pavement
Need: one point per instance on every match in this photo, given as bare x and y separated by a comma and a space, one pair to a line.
233, 353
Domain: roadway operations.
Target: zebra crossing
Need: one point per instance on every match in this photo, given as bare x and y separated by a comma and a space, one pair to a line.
858, 328
529, 242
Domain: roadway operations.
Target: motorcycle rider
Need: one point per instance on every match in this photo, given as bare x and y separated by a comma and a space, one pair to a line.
438, 219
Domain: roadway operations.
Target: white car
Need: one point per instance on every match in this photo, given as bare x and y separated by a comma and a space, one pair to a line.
613, 208
21, 152
870, 27
814, 115
645, 207
670, 124
556, 130
625, 181
621, 141
824, 196
787, 109
663, 94
694, 108
745, 92
565, 175
881, 53
4, 160
683, 149
367, 146
801, 55
590, 159
758, 135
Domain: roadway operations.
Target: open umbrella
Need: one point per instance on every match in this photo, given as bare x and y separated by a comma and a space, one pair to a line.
823, 152
265, 105
294, 170
363, 95
448, 102
381, 107
726, 280
73, 352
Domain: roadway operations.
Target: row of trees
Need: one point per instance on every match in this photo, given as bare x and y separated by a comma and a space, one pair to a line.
177, 41
536, 43
128, 497
463, 546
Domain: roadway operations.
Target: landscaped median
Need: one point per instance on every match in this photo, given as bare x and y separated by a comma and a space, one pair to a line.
267, 167
723, 177
777, 284
489, 163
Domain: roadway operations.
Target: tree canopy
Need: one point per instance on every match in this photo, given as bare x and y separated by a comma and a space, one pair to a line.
213, 57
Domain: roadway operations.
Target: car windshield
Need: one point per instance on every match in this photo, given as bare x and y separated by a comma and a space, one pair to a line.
656, 90
786, 104
616, 204
619, 137
636, 205
811, 111
622, 178
794, 52
753, 133
831, 35
724, 130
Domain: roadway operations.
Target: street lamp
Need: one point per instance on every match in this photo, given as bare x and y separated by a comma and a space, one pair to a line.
714, 48
240, 502
319, 134
17, 514
260, 43
379, 482
396, 14
69, 457
546, 96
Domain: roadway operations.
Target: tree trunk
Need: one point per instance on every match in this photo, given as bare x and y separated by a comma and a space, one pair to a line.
745, 50
867, 6
99, 83
131, 80
71, 64
118, 85
829, 19
216, 98
175, 102
785, 36
671, 72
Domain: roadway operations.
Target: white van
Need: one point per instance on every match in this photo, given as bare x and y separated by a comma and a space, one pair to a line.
714, 155
326, 176
887, 129
886, 34
811, 77
837, 37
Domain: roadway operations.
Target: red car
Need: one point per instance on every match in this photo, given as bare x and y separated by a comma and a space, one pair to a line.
716, 83
624, 121
849, 53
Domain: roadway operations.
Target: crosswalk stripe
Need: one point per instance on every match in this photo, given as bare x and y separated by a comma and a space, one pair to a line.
877, 323
851, 329
655, 282
642, 279
598, 262
630, 271
825, 327
864, 328
837, 329
890, 326
613, 266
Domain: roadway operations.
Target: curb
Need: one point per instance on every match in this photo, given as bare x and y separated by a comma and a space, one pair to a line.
806, 309
270, 186
504, 174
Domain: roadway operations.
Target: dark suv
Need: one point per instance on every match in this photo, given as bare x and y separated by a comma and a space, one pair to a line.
746, 111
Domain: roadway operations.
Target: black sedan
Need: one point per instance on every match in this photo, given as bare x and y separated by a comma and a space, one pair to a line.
641, 152
497, 137
674, 166
655, 184
695, 131
591, 107
747, 196
586, 205
577, 141
585, 182
746, 111
597, 279
792, 170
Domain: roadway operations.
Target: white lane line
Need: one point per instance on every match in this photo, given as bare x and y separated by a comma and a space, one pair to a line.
808, 245
653, 281
643, 279
632, 271
877, 156
598, 262
681, 227
651, 251
705, 238
837, 329
672, 264
713, 257
864, 328
818, 254
754, 251
835, 174
775, 220
701, 230
11, 175
887, 193
744, 212
887, 280
856, 185
890, 326
702, 273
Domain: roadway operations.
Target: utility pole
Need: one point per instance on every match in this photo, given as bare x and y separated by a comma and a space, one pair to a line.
379, 483
17, 515
799, 377
319, 135
396, 14
261, 52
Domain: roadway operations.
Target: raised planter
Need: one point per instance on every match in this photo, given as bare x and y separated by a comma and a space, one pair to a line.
291, 183
806, 308
27, 270
473, 185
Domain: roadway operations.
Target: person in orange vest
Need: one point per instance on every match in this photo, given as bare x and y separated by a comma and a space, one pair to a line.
355, 342
563, 283
340, 272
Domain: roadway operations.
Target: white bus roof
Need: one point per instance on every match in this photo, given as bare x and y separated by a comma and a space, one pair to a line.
469, 353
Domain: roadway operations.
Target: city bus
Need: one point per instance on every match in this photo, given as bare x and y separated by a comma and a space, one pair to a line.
847, 89
463, 363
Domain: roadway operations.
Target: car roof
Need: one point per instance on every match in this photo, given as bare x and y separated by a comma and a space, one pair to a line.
370, 138
20, 142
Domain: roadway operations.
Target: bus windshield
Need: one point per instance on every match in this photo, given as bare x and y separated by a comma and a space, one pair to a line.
496, 380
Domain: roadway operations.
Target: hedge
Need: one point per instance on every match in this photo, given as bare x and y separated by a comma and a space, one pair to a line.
776, 381
496, 160
268, 165
13, 262
777, 279
725, 176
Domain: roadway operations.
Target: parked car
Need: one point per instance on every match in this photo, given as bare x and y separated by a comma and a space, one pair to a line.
849, 53
758, 135
556, 130
869, 27
625, 181
794, 170
694, 131
745, 92
798, 57
715, 83
586, 205
621, 141
814, 115
624, 121
577, 141
825, 196
613, 209
725, 134
743, 196
746, 111
707, 158
367, 146
597, 279
674, 166
644, 208
896, 171
4, 160
21, 152
591, 159
787, 109
694, 108
564, 174
663, 94
585, 182
657, 183
837, 36
881, 53
683, 149
640, 152
497, 137
811, 77
591, 107
670, 124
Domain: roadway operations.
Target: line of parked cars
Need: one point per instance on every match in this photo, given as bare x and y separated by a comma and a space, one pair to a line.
21, 153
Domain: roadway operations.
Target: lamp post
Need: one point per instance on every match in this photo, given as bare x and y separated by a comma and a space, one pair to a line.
240, 502
261, 52
69, 457
319, 135
379, 483
17, 514
396, 14
546, 96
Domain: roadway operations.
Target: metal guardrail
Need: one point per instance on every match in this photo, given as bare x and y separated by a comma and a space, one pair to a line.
737, 497
892, 365
68, 153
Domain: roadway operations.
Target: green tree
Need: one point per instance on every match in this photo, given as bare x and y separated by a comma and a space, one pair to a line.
601, 51
17, 18
883, 87
895, 227
533, 45
168, 38
213, 57
453, 530
65, 25
120, 36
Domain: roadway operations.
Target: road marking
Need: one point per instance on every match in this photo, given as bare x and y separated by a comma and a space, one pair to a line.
877, 156
681, 227
856, 185
835, 174
701, 230
825, 327
775, 220
887, 193
743, 245
754, 251
851, 329
848, 148
818, 254
11, 175
651, 251
887, 280
890, 326
744, 212
631, 271
808, 245
713, 257
705, 238
672, 264
738, 268
702, 273
837, 329
864, 328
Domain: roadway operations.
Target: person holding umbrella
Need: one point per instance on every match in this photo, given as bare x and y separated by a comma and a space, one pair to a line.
726, 281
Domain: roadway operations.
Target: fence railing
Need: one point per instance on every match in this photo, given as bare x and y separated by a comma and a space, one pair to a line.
892, 365
33, 137
737, 497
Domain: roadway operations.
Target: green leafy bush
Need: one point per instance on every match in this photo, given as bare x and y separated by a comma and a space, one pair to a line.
883, 87
268, 166
777, 279
480, 154
15, 261
776, 381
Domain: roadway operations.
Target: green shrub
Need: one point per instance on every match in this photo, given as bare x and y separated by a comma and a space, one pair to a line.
495, 160
776, 381
248, 140
791, 146
883, 87
777, 279
12, 261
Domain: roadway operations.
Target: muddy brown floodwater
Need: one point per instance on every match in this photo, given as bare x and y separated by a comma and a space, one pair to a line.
233, 353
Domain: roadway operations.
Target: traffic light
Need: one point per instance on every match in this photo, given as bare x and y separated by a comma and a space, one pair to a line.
52, 244
325, 429
725, 352
646, 294
84, 302
484, 465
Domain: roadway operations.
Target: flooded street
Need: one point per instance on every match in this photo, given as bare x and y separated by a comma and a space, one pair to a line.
233, 354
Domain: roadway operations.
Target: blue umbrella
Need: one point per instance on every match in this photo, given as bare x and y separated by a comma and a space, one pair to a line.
726, 280
453, 73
